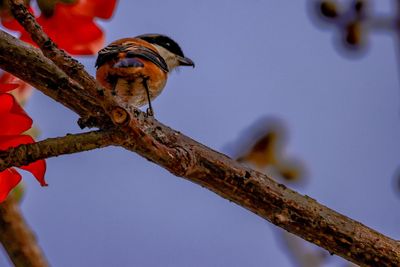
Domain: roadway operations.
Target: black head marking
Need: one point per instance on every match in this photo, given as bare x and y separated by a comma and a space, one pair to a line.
163, 41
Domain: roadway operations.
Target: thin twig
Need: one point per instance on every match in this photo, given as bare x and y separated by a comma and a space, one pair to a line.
15, 235
66, 63
48, 78
53, 147
70, 66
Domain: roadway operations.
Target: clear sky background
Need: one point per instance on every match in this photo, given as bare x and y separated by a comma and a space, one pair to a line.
110, 207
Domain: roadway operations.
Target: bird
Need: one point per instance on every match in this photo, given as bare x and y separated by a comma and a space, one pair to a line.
136, 69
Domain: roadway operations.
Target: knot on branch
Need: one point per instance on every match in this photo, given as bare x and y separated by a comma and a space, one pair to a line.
119, 116
185, 162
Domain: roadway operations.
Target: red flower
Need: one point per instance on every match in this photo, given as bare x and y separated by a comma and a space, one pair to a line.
14, 121
23, 91
7, 86
72, 26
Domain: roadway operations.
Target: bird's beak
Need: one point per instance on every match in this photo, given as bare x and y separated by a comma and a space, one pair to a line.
184, 61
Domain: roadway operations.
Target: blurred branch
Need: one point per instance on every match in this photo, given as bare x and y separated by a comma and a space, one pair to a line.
17, 238
52, 147
261, 147
185, 157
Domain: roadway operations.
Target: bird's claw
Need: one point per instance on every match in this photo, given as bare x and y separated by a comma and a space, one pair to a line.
150, 112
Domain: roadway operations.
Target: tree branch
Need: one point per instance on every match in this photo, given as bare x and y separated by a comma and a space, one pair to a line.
17, 238
70, 66
73, 68
185, 157
53, 147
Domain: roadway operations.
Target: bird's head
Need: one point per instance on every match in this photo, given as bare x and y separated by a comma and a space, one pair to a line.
168, 49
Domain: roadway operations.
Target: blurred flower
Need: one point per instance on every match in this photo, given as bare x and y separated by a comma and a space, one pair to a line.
23, 91
5, 8
5, 87
328, 9
351, 20
396, 181
71, 25
262, 145
14, 122
354, 34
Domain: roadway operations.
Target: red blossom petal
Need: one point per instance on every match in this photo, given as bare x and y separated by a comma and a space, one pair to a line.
9, 179
7, 141
13, 119
12, 24
23, 91
5, 87
92, 8
37, 168
78, 35
72, 26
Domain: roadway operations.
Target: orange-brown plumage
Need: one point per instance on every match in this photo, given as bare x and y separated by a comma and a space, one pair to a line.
135, 70
127, 82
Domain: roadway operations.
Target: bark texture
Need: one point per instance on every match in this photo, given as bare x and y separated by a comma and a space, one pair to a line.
191, 160
53, 147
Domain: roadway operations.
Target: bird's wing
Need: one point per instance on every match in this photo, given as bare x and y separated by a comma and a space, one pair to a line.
131, 51
108, 53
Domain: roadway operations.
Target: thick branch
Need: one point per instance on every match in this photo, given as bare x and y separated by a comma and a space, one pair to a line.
17, 238
53, 147
252, 190
260, 194
43, 75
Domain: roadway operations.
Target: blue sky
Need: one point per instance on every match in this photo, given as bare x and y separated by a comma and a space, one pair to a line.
110, 207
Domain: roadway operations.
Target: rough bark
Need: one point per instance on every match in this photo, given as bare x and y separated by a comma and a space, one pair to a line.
53, 147
186, 158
